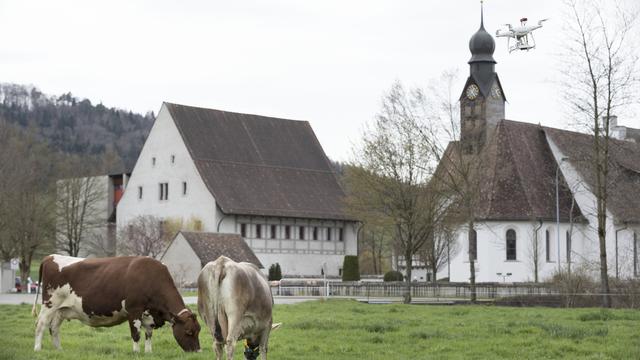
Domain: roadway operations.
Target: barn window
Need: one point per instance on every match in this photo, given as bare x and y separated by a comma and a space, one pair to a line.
243, 230
173, 159
340, 234
511, 244
473, 245
547, 242
287, 232
184, 188
315, 233
153, 161
301, 233
329, 234
258, 231
164, 191
273, 231
140, 192
568, 247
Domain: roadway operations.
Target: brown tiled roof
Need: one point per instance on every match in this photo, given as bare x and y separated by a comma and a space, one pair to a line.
210, 246
516, 177
258, 165
624, 179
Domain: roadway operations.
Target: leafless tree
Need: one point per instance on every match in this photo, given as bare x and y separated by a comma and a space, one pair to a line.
26, 196
145, 236
80, 208
394, 164
458, 176
535, 253
601, 78
439, 248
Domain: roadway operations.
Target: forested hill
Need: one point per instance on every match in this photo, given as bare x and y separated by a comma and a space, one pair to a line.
76, 126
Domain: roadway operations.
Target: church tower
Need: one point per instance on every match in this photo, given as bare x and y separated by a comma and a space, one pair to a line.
482, 100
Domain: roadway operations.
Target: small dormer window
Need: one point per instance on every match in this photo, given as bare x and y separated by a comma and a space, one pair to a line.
153, 161
140, 192
173, 159
184, 188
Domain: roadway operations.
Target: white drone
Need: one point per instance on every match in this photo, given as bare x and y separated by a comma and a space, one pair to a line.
523, 35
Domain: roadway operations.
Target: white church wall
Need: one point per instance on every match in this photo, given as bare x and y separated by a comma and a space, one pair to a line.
173, 165
587, 201
492, 258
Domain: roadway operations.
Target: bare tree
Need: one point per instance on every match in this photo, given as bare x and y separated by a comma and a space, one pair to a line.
26, 196
601, 76
439, 248
145, 236
535, 251
80, 209
394, 164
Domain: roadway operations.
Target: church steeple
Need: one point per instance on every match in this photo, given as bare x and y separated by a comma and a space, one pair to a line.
482, 100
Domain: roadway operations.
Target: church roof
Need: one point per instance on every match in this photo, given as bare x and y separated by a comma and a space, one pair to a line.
258, 165
624, 168
516, 176
210, 246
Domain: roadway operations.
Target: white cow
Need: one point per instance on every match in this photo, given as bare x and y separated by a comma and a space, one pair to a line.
235, 301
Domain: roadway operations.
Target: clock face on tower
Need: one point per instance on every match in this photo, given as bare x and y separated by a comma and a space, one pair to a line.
472, 92
496, 93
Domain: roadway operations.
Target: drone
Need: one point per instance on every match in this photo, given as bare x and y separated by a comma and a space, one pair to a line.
523, 35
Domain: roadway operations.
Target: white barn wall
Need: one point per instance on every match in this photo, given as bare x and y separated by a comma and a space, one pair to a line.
296, 257
183, 263
164, 141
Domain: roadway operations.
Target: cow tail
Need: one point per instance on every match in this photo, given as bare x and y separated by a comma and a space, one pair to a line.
218, 276
204, 299
34, 310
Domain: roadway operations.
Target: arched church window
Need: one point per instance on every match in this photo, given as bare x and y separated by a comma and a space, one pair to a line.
511, 244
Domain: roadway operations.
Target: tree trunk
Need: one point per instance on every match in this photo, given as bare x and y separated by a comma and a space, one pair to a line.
409, 264
472, 266
604, 276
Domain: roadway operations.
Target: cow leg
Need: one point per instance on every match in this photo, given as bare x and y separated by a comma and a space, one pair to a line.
54, 327
218, 340
264, 343
134, 325
44, 319
148, 331
234, 330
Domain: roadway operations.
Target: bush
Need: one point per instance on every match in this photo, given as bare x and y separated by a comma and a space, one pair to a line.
275, 273
393, 276
350, 268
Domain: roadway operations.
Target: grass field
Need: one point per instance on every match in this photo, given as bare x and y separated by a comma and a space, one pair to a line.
343, 329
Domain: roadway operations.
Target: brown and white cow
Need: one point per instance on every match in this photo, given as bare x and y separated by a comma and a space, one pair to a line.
235, 301
110, 291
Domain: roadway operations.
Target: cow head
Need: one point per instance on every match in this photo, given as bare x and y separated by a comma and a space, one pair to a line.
186, 330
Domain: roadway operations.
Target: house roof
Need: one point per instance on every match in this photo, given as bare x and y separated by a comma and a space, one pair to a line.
515, 177
624, 170
258, 165
210, 246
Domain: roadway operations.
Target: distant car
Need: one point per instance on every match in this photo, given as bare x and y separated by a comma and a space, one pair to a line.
18, 285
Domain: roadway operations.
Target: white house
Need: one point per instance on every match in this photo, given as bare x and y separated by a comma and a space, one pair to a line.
264, 178
190, 251
522, 164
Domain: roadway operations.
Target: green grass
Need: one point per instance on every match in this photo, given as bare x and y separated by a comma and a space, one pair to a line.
343, 329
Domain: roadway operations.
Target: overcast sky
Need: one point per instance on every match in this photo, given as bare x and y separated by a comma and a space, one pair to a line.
327, 61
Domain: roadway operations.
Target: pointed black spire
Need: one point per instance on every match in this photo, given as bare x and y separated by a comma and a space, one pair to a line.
482, 44
481, 14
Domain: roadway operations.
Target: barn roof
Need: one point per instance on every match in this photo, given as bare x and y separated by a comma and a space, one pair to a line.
624, 170
210, 246
515, 177
258, 165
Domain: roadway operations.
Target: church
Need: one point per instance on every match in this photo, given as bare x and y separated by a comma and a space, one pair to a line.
266, 179
535, 212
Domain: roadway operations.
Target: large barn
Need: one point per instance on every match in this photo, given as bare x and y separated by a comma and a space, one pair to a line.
264, 178
522, 165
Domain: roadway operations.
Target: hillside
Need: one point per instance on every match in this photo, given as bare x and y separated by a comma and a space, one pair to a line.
76, 126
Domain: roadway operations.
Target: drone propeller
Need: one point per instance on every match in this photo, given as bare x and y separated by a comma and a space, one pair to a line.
541, 21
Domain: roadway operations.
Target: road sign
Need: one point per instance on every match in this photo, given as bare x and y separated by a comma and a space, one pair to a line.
15, 264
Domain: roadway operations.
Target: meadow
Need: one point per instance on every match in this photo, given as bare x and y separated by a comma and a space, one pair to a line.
345, 329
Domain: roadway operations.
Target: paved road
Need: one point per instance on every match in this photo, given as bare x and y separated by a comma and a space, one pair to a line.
17, 299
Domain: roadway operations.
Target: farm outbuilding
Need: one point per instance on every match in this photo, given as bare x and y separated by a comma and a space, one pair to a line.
190, 251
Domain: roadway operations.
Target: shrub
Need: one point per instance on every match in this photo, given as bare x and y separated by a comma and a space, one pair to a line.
275, 273
393, 276
350, 268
